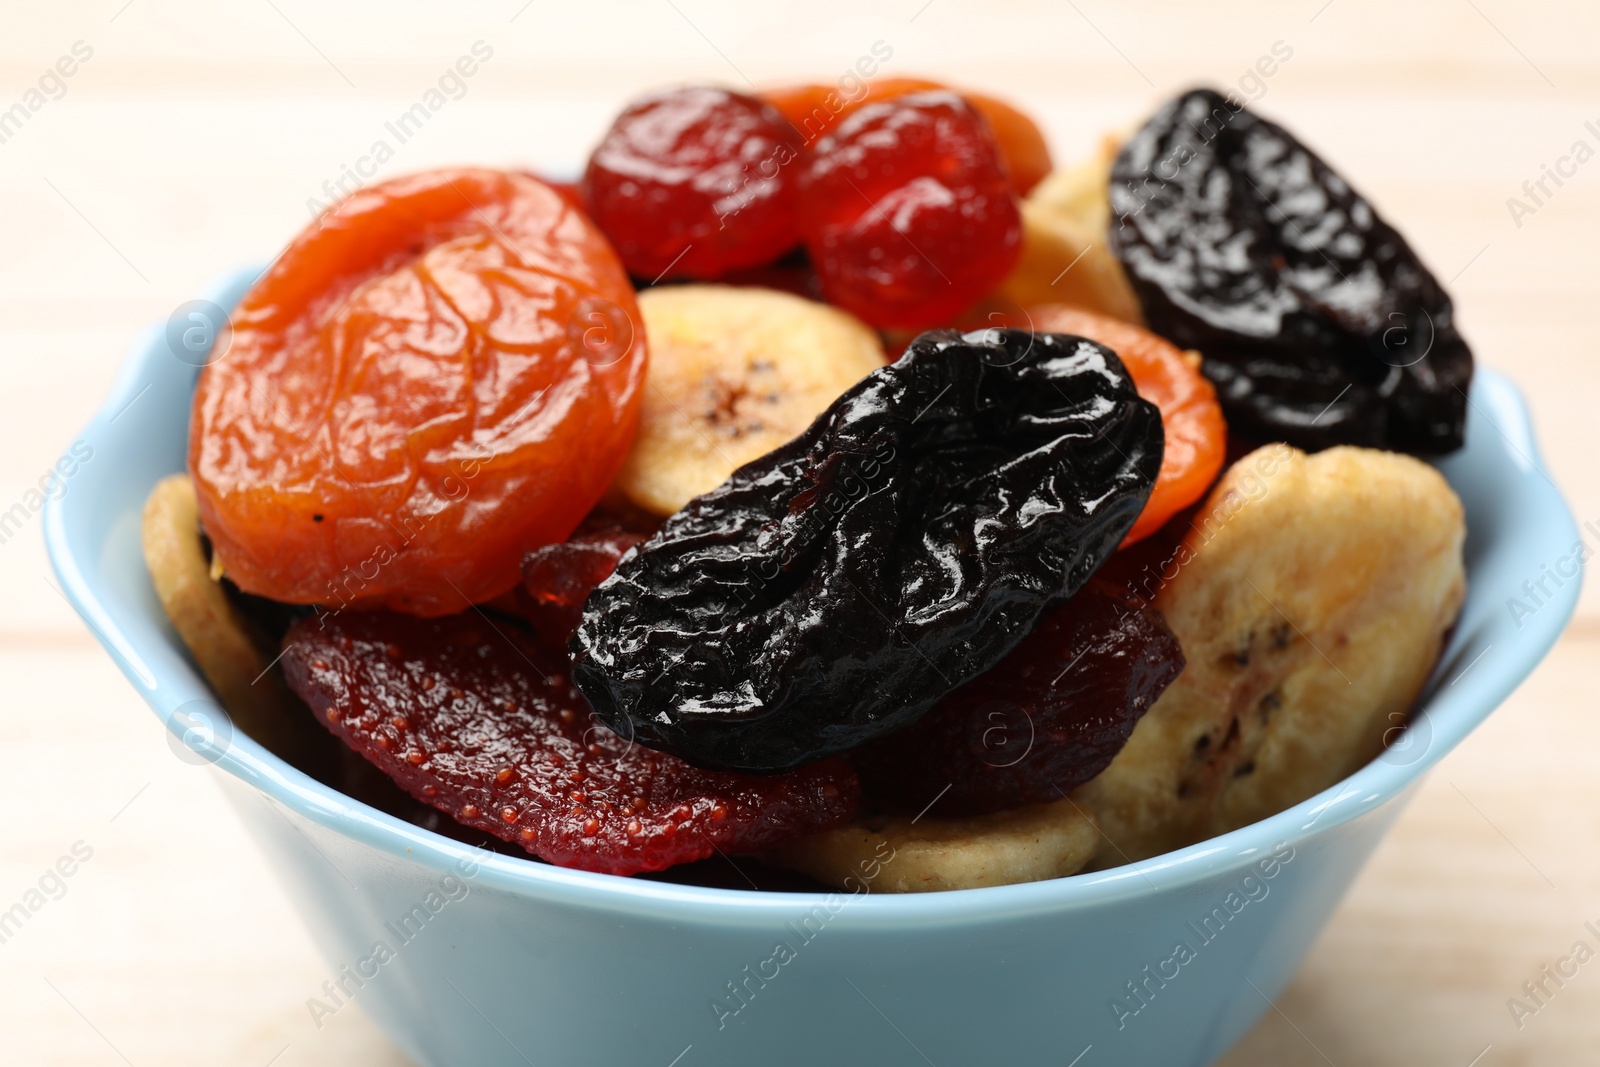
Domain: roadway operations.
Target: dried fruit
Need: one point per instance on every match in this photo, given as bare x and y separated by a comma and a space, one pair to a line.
558, 578
1196, 436
414, 396
1318, 323
1042, 721
1312, 597
480, 721
837, 587
734, 373
695, 182
814, 109
907, 212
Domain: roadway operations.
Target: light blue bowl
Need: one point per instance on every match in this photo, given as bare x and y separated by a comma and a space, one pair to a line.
506, 961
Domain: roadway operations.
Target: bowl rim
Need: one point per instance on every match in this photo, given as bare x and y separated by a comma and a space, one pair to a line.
1451, 713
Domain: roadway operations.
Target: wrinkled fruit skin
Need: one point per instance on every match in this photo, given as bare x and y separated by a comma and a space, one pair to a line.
834, 589
695, 182
1318, 323
1042, 721
907, 211
480, 721
437, 376
558, 578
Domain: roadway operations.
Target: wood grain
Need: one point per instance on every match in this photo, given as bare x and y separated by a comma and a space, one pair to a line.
190, 142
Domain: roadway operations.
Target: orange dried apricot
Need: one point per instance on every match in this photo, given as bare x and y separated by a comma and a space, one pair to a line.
441, 374
1197, 436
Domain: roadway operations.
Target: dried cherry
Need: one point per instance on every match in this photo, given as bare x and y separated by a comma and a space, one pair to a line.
412, 399
558, 578
813, 110
480, 721
834, 589
1042, 721
695, 182
906, 211
1318, 323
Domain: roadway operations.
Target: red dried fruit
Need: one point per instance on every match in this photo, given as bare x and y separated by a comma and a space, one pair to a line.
1045, 719
907, 211
483, 697
557, 579
695, 182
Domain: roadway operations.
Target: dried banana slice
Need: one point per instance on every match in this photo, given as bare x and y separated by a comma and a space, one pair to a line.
898, 854
734, 372
1066, 256
1311, 598
228, 648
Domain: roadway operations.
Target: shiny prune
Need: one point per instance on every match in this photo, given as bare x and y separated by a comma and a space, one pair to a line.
834, 589
479, 720
1318, 323
1042, 721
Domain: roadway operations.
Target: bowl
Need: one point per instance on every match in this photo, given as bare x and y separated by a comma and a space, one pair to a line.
470, 957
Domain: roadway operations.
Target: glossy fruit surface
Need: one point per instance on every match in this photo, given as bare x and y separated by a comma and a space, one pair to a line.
479, 720
834, 589
694, 183
1318, 323
1197, 436
907, 213
439, 375
1042, 721
558, 578
814, 109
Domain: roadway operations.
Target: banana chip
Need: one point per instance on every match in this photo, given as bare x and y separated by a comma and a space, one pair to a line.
897, 854
1311, 598
229, 650
1066, 254
734, 373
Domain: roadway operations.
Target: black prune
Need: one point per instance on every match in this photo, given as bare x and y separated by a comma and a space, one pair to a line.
1317, 322
837, 587
1042, 721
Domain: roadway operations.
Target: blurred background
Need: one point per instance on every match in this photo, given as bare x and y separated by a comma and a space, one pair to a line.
191, 138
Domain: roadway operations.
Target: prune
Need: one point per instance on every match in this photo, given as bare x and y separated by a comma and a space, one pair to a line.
907, 212
479, 720
695, 182
837, 587
1047, 718
558, 578
1196, 436
1318, 323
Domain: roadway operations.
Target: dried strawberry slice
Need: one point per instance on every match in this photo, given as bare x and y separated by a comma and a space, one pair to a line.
479, 719
1045, 719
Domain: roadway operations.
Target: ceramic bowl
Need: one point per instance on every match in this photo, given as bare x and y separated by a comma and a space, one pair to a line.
467, 957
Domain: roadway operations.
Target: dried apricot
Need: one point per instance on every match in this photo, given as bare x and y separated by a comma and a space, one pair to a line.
1170, 379
439, 376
